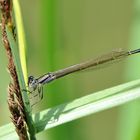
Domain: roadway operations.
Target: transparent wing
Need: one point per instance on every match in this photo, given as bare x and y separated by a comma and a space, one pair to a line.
36, 95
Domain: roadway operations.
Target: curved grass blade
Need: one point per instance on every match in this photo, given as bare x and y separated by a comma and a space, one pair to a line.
87, 105
82, 107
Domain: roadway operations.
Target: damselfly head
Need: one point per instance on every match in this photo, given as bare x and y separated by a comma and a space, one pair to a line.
32, 82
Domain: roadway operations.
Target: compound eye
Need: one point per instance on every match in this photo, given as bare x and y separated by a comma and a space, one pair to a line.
30, 79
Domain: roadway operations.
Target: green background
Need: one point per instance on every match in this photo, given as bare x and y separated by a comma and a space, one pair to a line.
65, 32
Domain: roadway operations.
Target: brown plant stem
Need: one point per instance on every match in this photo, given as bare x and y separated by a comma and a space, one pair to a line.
15, 101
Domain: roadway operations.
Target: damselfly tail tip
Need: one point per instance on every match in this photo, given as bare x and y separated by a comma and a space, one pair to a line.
134, 51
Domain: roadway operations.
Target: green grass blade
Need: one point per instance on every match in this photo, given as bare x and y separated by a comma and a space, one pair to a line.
7, 132
21, 37
17, 63
83, 106
87, 105
20, 62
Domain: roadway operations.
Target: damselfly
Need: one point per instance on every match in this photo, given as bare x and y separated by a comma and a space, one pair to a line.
36, 84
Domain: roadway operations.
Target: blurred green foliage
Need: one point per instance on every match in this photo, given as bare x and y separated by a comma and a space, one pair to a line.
62, 33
